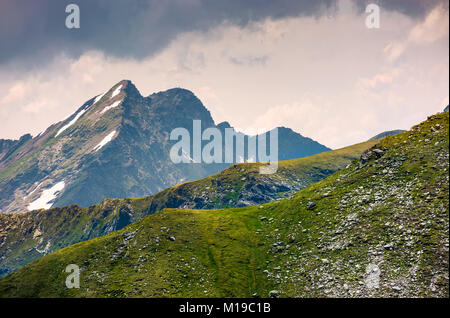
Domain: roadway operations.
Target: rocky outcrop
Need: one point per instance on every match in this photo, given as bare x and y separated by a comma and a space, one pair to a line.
115, 145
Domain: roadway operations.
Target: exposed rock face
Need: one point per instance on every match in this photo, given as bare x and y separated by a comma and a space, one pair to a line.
370, 154
373, 276
114, 145
8, 147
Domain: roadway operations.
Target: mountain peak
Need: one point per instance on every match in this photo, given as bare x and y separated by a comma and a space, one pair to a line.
224, 125
181, 106
176, 91
121, 139
286, 129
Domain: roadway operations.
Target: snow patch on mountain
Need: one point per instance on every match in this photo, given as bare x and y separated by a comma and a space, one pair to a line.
45, 201
116, 91
38, 135
115, 104
105, 141
71, 122
99, 97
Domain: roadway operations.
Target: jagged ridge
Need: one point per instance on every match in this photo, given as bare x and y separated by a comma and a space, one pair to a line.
377, 228
115, 145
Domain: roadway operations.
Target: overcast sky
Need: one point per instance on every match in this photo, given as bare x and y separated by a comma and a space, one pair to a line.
312, 66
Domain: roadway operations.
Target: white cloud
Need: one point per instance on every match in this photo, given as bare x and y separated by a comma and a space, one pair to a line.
323, 120
434, 27
15, 93
394, 50
380, 78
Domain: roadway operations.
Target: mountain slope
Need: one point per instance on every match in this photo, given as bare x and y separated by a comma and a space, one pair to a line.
387, 133
377, 228
8, 147
24, 237
115, 145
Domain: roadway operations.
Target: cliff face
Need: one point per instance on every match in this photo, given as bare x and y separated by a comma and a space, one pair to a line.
115, 145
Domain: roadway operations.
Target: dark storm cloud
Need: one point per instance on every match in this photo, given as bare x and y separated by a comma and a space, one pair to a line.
413, 8
133, 28
35, 30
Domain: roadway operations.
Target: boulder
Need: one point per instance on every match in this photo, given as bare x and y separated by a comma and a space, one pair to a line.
310, 205
274, 293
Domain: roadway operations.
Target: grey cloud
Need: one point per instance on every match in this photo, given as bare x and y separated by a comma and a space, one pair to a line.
249, 60
133, 28
35, 30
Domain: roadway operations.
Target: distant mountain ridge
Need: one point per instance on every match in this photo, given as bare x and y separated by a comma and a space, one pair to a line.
115, 145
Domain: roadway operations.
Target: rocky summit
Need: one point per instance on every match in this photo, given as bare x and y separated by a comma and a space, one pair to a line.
115, 145
377, 228
25, 237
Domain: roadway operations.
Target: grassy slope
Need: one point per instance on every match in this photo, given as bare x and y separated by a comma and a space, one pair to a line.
221, 190
378, 229
22, 235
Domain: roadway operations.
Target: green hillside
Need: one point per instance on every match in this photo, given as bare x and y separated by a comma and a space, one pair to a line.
377, 228
25, 237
